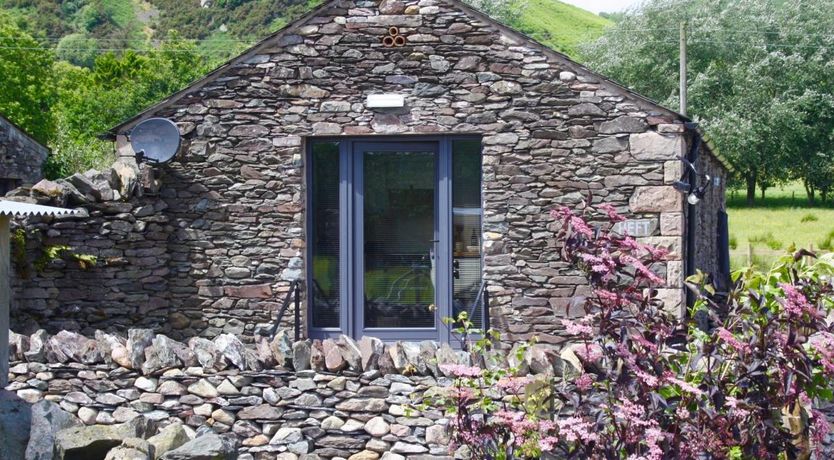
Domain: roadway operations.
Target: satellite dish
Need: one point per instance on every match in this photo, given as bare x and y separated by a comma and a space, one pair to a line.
156, 140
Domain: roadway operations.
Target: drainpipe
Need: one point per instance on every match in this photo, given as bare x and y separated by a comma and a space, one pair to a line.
692, 157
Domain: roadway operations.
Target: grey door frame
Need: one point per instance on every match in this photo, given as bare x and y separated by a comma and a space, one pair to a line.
351, 262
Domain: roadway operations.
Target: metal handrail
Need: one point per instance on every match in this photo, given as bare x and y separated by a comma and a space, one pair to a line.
481, 291
481, 294
293, 294
481, 299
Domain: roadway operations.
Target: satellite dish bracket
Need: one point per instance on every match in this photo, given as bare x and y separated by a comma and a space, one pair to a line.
140, 157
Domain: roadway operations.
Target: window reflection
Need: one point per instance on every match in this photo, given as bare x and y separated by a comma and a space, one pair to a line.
466, 228
325, 234
399, 229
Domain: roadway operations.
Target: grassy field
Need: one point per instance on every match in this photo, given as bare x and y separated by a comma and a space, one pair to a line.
767, 229
559, 25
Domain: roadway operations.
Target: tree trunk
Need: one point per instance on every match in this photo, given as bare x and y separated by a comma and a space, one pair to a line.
793, 421
824, 196
809, 190
751, 188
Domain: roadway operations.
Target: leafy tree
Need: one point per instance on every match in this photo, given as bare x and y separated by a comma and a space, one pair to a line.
26, 85
506, 11
753, 66
809, 129
613, 17
78, 49
117, 87
41, 17
246, 20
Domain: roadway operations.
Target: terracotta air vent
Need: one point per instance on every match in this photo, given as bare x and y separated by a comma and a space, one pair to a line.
393, 39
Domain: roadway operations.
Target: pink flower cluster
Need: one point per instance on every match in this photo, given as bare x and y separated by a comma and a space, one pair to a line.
580, 327
611, 212
585, 382
640, 428
630, 244
823, 343
513, 385
578, 225
631, 413
795, 302
638, 338
463, 395
733, 342
653, 439
588, 352
821, 429
459, 370
548, 443
603, 264
608, 297
735, 410
524, 429
684, 385
573, 429
641, 269
649, 380
518, 423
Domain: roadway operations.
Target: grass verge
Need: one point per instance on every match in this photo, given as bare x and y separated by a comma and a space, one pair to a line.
763, 232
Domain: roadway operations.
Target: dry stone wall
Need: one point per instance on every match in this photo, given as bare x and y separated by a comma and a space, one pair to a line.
218, 235
336, 398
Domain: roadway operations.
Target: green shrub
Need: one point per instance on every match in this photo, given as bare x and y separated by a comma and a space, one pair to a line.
733, 242
828, 242
734, 371
810, 217
767, 239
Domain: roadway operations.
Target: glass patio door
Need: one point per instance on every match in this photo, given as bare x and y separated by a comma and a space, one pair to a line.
396, 239
395, 236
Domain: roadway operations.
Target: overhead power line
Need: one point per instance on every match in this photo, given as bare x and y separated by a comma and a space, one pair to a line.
223, 45
171, 40
138, 50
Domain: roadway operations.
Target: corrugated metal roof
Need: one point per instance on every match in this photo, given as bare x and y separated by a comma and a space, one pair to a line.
17, 209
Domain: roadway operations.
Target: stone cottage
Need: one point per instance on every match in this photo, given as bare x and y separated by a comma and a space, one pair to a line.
389, 164
21, 157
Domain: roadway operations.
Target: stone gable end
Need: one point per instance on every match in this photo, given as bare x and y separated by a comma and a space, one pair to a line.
218, 235
21, 157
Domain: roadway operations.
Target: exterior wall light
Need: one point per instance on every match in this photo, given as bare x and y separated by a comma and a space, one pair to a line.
385, 101
694, 192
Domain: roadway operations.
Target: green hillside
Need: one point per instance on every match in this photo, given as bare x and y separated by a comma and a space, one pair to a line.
559, 25
81, 29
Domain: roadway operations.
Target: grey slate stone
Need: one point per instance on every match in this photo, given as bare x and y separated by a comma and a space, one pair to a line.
209, 446
15, 420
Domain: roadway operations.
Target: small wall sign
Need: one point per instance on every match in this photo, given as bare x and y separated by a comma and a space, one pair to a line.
636, 227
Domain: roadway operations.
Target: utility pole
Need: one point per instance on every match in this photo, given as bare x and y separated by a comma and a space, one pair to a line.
682, 109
